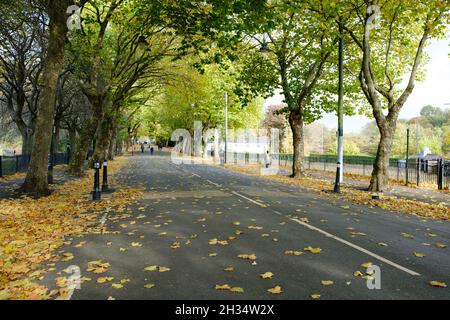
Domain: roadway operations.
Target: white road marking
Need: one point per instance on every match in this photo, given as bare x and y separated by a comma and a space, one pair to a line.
329, 235
354, 246
248, 199
350, 244
213, 183
195, 175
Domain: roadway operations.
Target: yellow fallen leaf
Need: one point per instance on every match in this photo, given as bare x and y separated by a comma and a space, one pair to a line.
358, 274
163, 269
117, 286
367, 265
237, 290
149, 285
420, 254
266, 275
275, 290
247, 256
104, 279
315, 296
223, 287
136, 244
229, 269
407, 235
313, 250
441, 245
327, 282
438, 284
293, 253
151, 268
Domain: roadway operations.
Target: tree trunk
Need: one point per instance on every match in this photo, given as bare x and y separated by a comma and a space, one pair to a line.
36, 179
296, 124
380, 177
112, 144
27, 142
81, 150
103, 139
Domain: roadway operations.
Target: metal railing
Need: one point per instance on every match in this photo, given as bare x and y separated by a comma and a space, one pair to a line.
10, 165
434, 173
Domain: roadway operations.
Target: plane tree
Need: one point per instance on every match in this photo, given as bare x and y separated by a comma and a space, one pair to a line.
392, 58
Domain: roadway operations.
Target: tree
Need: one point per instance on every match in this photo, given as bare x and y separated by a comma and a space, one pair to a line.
300, 44
390, 51
36, 178
436, 116
195, 96
22, 46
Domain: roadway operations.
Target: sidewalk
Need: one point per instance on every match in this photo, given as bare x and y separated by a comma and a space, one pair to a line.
401, 192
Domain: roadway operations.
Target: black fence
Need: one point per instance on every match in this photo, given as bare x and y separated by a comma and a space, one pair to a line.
434, 173
10, 165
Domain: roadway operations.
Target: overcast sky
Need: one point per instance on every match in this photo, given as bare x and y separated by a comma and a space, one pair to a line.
435, 90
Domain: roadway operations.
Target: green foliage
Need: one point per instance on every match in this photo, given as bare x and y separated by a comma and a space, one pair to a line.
198, 97
436, 116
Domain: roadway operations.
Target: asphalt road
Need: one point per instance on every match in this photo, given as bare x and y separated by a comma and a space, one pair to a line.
186, 206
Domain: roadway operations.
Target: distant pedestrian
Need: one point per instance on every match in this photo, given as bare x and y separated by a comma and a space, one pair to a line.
268, 159
151, 150
142, 147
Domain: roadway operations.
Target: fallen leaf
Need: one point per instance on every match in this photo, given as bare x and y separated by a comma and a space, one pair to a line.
149, 285
438, 284
315, 296
275, 290
223, 287
313, 250
420, 255
237, 290
104, 279
407, 235
247, 256
266, 275
327, 282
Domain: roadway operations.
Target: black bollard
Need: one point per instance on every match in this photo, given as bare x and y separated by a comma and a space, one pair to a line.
337, 185
96, 194
105, 187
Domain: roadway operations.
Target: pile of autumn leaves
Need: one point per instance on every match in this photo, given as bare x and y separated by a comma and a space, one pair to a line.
32, 229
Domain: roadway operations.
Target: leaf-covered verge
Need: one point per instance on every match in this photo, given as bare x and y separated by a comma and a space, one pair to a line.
32, 229
323, 187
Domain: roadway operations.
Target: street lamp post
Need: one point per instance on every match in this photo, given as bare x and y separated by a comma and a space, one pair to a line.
340, 151
407, 156
226, 127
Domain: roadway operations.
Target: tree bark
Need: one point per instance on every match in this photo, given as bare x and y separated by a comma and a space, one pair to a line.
36, 179
296, 123
27, 142
380, 173
77, 163
113, 143
103, 139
